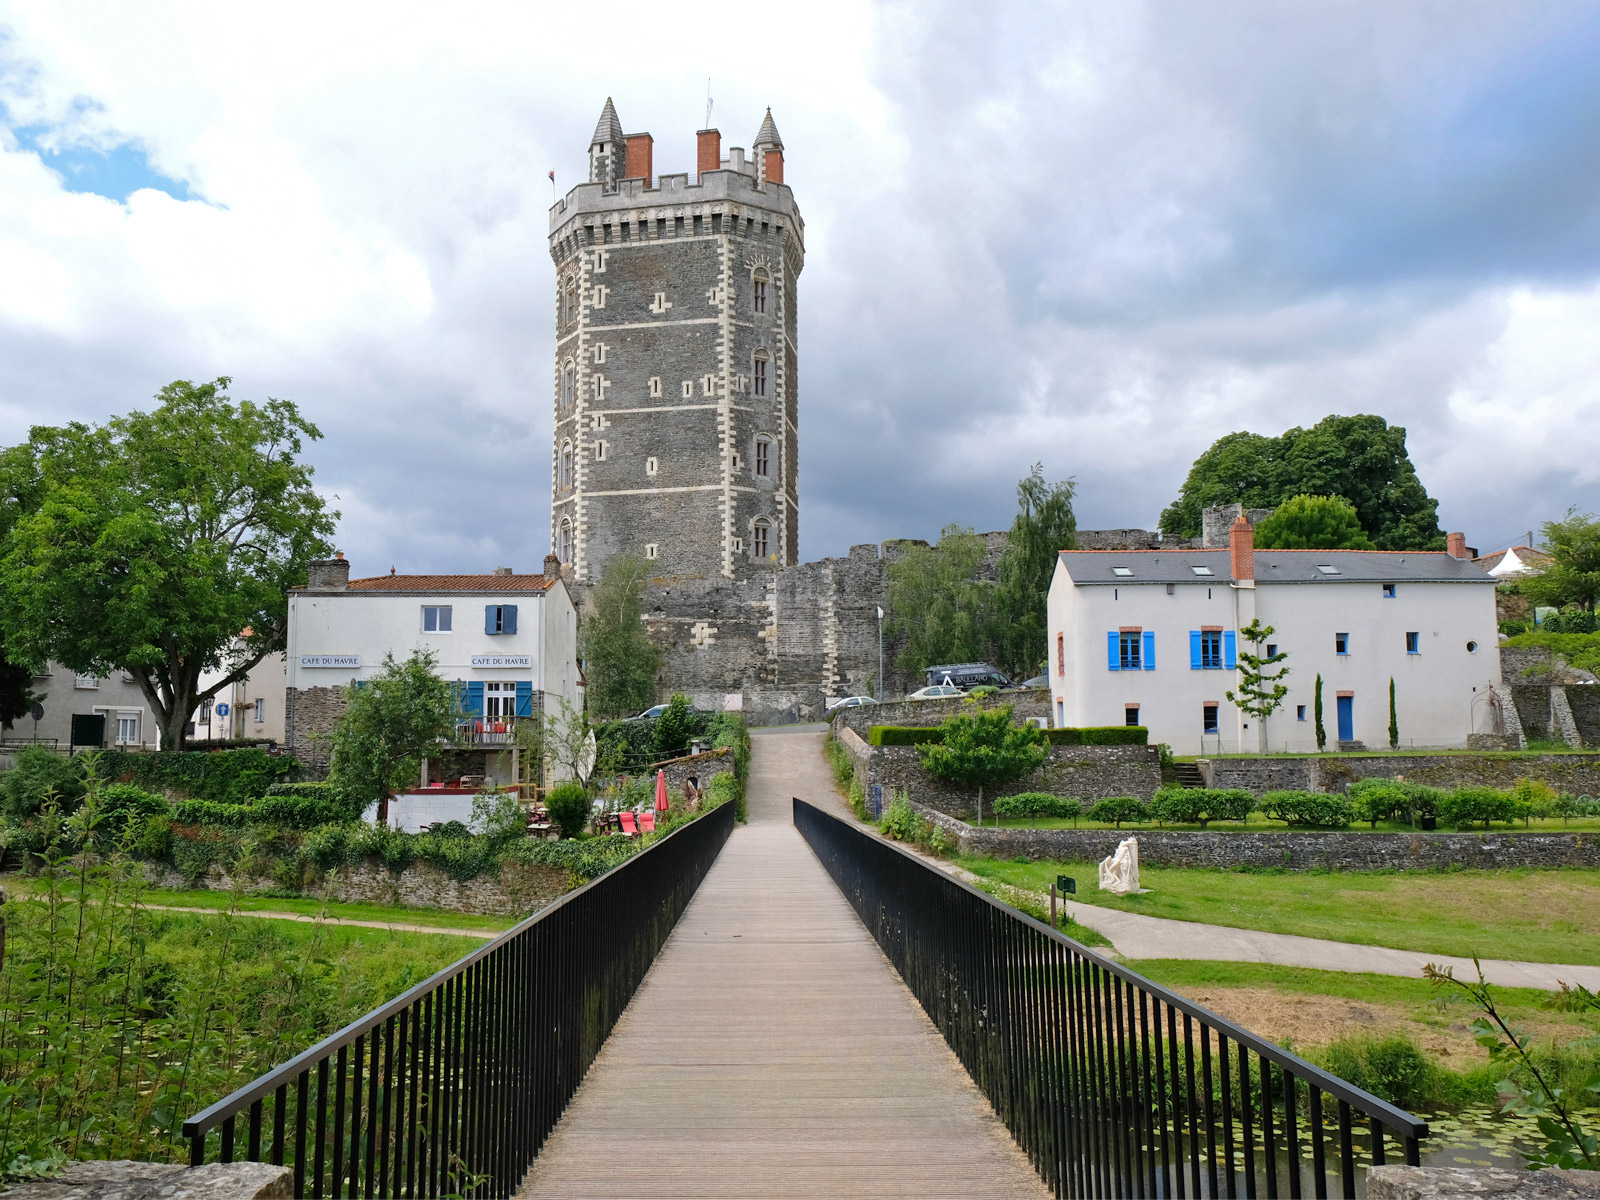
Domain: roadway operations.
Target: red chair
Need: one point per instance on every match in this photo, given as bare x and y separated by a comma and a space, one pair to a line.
647, 822
627, 824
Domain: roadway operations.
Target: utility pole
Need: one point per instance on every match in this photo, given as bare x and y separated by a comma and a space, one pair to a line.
880, 653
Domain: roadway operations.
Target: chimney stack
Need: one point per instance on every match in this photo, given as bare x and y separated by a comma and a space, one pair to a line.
1455, 545
772, 165
641, 152
328, 575
504, 571
552, 565
1242, 549
708, 155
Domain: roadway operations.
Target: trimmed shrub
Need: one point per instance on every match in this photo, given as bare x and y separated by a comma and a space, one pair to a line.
286, 812
1037, 804
226, 776
1200, 806
1114, 810
1100, 735
569, 808
905, 735
1322, 809
1470, 805
123, 805
39, 772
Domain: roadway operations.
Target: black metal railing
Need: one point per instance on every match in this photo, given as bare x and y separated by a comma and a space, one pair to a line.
452, 1087
1114, 1085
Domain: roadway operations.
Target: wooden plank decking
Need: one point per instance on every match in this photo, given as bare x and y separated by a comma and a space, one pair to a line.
773, 1051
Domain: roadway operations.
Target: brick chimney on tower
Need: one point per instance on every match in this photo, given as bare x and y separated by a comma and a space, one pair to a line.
640, 153
1242, 549
708, 151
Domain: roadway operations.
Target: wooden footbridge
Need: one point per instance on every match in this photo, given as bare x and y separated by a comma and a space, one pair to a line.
796, 1008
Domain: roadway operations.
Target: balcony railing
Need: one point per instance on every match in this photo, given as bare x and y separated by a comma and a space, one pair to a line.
452, 1087
487, 731
1113, 1085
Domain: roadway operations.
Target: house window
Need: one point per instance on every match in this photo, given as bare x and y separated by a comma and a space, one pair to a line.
1272, 648
760, 538
1130, 715
499, 618
1299, 712
763, 457
85, 682
1061, 654
205, 712
761, 377
500, 699
1413, 643
1388, 591
1208, 718
564, 466
564, 540
1341, 643
1128, 646
759, 294
435, 618
127, 729
1211, 649
569, 384
261, 710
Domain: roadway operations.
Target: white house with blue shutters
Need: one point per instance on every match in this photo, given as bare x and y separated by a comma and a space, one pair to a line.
508, 641
1151, 637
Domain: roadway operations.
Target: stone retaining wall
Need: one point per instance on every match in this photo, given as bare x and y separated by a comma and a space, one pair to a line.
1451, 1183
934, 712
517, 889
1576, 773
1088, 773
1335, 851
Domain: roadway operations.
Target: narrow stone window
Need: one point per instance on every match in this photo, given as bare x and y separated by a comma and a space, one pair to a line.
599, 352
599, 300
564, 466
759, 294
650, 466
564, 540
738, 545
762, 530
569, 385
764, 457
760, 376
688, 389
599, 452
736, 462
708, 384
651, 549
655, 386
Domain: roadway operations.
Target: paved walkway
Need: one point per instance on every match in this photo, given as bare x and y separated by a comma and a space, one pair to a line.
772, 1050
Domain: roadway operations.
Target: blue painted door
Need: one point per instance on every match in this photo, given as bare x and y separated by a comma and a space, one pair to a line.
1347, 718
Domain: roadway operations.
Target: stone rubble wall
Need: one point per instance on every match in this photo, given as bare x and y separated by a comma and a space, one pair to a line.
515, 890
925, 713
1088, 773
1578, 774
124, 1180
1224, 847
1451, 1183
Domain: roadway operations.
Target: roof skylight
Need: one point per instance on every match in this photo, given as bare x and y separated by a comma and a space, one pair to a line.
1329, 569
1202, 570
1122, 570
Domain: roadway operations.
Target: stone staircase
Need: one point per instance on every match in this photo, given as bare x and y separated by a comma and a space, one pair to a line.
1188, 775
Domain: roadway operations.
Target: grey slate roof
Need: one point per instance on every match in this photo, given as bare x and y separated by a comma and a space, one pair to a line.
1090, 567
767, 135
609, 128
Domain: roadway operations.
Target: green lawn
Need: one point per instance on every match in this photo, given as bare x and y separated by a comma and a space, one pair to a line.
19, 885
1535, 915
1257, 823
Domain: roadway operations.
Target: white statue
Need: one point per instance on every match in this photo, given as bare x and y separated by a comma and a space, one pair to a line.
1120, 872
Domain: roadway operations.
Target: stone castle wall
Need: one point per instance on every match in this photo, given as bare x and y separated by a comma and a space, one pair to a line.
1575, 773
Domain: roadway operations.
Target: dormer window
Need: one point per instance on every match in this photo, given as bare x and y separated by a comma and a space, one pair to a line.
1124, 572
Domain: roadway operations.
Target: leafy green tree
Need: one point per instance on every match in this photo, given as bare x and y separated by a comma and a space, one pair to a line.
937, 603
982, 748
674, 727
1574, 577
1362, 458
390, 724
162, 543
559, 739
619, 659
1261, 689
1313, 523
17, 696
1043, 527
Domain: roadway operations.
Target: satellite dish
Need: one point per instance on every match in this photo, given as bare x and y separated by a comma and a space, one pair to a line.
37, 711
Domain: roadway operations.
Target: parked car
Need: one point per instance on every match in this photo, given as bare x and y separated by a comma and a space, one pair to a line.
1039, 683
942, 691
851, 702
968, 675
656, 712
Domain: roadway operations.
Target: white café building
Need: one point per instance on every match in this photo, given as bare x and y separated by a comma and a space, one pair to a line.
509, 641
1151, 637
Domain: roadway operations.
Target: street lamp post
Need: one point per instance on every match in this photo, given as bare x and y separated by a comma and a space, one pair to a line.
880, 653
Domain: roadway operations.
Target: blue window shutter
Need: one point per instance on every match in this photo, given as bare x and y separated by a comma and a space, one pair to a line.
1194, 649
491, 614
1230, 653
1113, 658
474, 698
524, 698
1149, 651
509, 611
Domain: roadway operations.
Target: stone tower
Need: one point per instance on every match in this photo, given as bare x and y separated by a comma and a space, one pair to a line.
675, 373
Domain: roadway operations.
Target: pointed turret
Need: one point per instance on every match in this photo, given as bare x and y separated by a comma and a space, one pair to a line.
606, 148
768, 149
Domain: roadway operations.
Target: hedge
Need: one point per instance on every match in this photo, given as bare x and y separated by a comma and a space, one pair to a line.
286, 812
1199, 806
1037, 804
225, 776
1326, 810
1098, 735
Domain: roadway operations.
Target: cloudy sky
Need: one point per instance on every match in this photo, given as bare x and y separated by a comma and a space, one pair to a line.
1100, 234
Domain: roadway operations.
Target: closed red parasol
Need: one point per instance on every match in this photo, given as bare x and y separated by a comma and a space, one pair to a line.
661, 791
